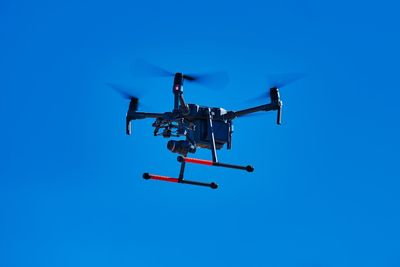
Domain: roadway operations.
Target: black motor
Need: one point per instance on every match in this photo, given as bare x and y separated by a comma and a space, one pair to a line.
276, 99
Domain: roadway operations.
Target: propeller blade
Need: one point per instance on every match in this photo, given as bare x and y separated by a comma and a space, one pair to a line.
141, 67
284, 79
278, 81
124, 91
218, 79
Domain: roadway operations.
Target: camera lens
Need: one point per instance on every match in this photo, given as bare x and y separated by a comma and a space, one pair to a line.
181, 147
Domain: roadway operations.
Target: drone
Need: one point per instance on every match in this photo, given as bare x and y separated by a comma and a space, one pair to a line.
200, 126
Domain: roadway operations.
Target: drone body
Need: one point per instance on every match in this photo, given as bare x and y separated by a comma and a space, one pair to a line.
202, 127
195, 127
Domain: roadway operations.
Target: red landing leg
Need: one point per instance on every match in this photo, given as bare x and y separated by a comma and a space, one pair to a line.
148, 176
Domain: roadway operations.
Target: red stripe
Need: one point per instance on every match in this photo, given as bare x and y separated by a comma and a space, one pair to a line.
163, 178
199, 161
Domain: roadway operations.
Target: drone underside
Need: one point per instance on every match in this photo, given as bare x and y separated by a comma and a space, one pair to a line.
194, 126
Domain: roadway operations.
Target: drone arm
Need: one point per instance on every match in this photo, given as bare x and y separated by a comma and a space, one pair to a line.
267, 107
183, 106
133, 115
276, 104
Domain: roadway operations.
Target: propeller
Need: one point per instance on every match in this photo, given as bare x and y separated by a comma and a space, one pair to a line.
275, 83
278, 81
143, 68
124, 92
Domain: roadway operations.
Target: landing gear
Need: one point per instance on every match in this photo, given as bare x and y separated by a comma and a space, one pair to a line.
184, 160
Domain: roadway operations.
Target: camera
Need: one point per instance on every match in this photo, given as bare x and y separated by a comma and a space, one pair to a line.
182, 147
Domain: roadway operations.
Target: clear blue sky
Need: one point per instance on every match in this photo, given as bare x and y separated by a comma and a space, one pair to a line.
325, 191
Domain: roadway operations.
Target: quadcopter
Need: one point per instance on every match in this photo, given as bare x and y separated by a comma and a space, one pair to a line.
200, 126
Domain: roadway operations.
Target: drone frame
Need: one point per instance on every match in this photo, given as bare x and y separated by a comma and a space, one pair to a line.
180, 110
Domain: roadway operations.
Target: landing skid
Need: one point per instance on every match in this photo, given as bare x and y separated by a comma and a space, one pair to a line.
184, 160
149, 176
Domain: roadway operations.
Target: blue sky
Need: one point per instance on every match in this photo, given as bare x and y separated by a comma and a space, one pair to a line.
325, 187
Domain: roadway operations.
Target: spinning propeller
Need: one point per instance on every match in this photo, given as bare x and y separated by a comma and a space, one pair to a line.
213, 80
278, 81
124, 92
143, 68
